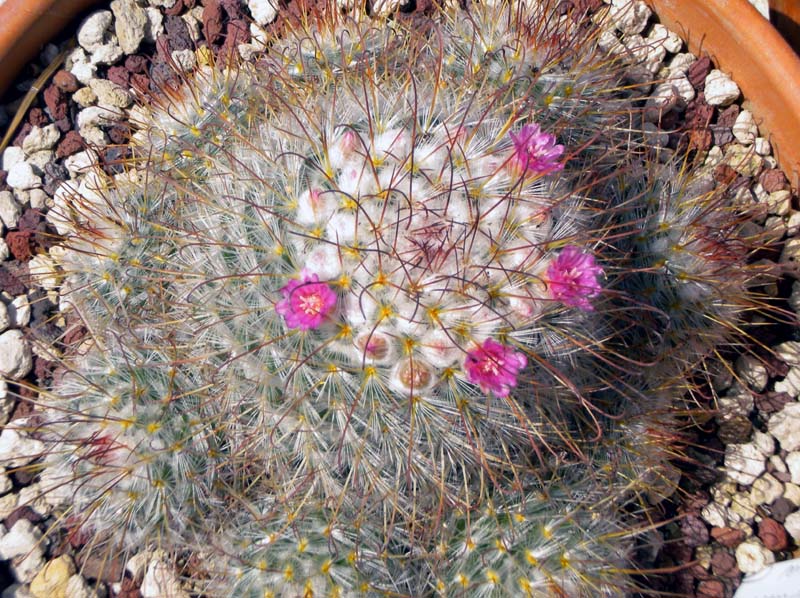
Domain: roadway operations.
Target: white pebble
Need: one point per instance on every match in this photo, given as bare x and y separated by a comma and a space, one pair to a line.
130, 24
40, 138
16, 359
21, 176
792, 525
160, 580
720, 89
762, 146
714, 514
744, 462
11, 155
155, 24
766, 490
629, 16
92, 33
793, 463
752, 372
790, 383
752, 556
43, 271
789, 351
661, 35
19, 311
263, 11
10, 210
5, 321
745, 129
110, 95
186, 59
21, 539
785, 426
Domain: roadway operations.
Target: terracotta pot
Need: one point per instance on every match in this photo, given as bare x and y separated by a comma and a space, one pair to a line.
747, 47
26, 25
785, 15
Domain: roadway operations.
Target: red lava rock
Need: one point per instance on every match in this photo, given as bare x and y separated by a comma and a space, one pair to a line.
74, 335
10, 283
236, 33
64, 124
119, 134
728, 536
66, 81
136, 64
38, 118
140, 82
106, 566
71, 144
128, 589
695, 532
233, 8
700, 139
189, 4
693, 503
728, 116
723, 564
724, 174
698, 113
56, 102
773, 535
710, 588
773, 180
772, 402
30, 220
698, 71
42, 368
119, 75
21, 244
22, 134
175, 9
178, 34
22, 513
213, 21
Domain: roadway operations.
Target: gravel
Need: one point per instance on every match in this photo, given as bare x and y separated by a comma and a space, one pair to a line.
738, 507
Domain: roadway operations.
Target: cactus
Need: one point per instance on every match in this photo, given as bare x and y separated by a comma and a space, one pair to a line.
367, 314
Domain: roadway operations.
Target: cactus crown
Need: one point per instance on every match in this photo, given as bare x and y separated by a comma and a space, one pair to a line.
360, 310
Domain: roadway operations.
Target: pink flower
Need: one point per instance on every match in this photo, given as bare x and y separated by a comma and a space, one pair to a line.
305, 302
535, 150
572, 278
494, 367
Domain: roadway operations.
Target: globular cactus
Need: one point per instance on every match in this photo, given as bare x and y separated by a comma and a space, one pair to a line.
363, 312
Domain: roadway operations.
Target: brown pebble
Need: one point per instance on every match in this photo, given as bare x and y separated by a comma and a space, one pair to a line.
711, 588
773, 180
118, 134
213, 21
728, 536
773, 535
233, 8
56, 102
129, 589
178, 34
772, 402
64, 124
189, 4
698, 113
723, 564
698, 71
237, 32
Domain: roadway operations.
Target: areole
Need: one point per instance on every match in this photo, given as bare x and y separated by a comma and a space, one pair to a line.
740, 40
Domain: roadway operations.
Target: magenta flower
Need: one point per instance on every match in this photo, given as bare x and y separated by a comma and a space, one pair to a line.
494, 367
535, 151
572, 278
305, 302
